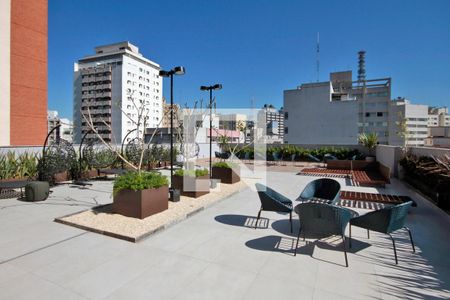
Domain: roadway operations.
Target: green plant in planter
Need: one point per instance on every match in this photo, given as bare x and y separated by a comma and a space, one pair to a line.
191, 173
223, 164
138, 181
368, 140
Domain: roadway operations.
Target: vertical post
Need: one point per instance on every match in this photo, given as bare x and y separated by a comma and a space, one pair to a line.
171, 130
210, 133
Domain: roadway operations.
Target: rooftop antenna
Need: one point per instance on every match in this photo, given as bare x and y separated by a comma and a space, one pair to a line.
362, 81
318, 57
361, 66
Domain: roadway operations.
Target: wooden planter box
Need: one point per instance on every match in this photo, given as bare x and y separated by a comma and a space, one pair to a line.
141, 204
61, 177
226, 175
89, 174
199, 186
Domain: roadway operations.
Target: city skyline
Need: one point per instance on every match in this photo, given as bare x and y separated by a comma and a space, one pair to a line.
257, 50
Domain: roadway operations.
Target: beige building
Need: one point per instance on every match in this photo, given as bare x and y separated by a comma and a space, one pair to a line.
438, 116
414, 116
438, 136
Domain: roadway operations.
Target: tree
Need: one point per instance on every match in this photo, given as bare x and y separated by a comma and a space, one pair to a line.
140, 123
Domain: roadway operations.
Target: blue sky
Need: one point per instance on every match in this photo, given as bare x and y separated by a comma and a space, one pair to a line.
257, 49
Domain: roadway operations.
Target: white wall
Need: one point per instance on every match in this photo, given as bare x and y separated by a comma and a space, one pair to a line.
5, 66
390, 155
314, 119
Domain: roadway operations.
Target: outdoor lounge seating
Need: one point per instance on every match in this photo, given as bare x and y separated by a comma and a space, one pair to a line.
323, 190
324, 220
222, 155
272, 201
386, 220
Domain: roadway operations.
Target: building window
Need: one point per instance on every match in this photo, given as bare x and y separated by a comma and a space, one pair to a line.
367, 114
286, 115
286, 130
379, 114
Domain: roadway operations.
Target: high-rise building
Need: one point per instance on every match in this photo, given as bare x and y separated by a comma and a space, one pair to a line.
335, 112
114, 84
274, 122
23, 65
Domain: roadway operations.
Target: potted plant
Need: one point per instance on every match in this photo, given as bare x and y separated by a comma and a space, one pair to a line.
370, 141
140, 194
227, 172
191, 183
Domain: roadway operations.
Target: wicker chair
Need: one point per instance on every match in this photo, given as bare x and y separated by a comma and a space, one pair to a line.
324, 190
323, 219
386, 220
272, 201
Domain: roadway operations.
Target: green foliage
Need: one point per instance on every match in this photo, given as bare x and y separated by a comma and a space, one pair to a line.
369, 140
24, 165
223, 164
138, 181
223, 142
287, 152
191, 173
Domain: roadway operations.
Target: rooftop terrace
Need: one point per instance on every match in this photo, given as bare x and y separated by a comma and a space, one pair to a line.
217, 254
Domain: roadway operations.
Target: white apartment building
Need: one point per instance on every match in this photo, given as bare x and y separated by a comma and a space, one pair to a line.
416, 119
274, 123
438, 116
336, 111
106, 83
64, 131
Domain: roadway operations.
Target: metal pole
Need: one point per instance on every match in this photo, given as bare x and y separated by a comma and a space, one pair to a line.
210, 133
171, 130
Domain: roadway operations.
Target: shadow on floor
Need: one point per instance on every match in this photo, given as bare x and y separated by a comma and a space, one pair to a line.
243, 221
414, 277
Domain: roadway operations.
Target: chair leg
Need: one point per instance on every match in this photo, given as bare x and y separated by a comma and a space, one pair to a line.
298, 237
350, 236
345, 251
290, 220
411, 239
257, 219
395, 250
368, 235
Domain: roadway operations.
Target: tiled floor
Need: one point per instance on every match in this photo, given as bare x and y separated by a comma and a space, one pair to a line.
216, 254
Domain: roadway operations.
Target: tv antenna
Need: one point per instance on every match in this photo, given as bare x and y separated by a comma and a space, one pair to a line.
318, 56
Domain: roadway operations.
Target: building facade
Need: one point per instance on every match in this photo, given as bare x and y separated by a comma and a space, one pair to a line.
64, 129
113, 85
415, 118
438, 116
438, 136
337, 111
23, 79
275, 123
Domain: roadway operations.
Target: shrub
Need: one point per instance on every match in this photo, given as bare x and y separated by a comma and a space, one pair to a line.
24, 165
191, 173
138, 181
223, 164
368, 140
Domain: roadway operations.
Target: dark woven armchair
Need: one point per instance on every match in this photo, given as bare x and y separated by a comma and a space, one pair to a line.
272, 201
324, 220
323, 190
386, 220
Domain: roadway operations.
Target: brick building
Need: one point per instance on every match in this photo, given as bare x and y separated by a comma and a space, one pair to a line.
23, 77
